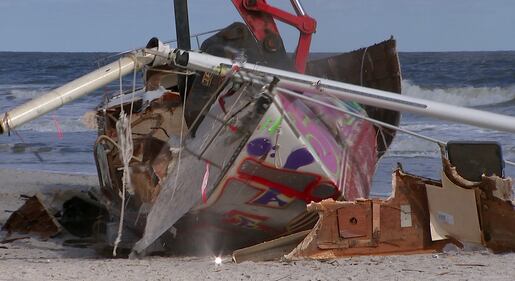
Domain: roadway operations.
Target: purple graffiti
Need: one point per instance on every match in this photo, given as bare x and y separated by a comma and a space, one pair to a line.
318, 137
298, 158
270, 198
259, 147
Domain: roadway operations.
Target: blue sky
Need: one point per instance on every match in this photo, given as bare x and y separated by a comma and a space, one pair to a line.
117, 25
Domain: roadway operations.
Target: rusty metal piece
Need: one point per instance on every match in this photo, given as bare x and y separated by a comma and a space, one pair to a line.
377, 67
397, 225
33, 217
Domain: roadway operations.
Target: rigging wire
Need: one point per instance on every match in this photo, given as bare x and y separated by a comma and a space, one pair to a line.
187, 72
511, 163
183, 118
362, 66
196, 35
374, 121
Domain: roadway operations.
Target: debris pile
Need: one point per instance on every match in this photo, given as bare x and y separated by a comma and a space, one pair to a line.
49, 216
421, 215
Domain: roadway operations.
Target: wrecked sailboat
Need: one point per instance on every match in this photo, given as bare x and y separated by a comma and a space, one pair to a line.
250, 162
225, 153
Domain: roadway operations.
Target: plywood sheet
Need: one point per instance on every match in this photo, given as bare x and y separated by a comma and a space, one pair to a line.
453, 212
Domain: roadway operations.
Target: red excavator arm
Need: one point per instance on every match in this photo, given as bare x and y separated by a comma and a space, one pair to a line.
259, 16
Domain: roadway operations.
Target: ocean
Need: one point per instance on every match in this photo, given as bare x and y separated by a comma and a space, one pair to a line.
483, 80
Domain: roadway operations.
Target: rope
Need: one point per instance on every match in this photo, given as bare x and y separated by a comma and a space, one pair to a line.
362, 65
124, 131
113, 142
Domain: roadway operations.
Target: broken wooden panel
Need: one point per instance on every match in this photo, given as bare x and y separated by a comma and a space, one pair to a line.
405, 216
355, 220
399, 224
32, 217
145, 188
494, 185
498, 223
495, 208
270, 250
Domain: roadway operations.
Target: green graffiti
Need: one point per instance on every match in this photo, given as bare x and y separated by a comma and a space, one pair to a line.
265, 124
349, 120
275, 126
355, 105
305, 121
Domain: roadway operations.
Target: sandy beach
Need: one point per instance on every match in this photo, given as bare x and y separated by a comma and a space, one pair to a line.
33, 259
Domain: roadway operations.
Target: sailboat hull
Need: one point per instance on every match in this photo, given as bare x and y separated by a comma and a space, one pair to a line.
252, 165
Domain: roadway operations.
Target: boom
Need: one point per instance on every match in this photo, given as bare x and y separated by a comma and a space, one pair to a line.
281, 80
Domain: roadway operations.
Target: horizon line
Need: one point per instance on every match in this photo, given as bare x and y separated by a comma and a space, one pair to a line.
320, 52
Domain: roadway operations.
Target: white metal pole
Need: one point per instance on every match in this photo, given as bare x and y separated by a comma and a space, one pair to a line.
71, 91
368, 96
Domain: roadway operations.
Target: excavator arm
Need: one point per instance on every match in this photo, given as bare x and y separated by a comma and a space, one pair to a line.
259, 16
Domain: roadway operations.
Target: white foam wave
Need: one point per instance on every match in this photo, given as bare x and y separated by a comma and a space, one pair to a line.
412, 146
68, 118
47, 124
464, 96
24, 94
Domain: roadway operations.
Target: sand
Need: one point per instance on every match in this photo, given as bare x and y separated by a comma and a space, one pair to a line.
33, 259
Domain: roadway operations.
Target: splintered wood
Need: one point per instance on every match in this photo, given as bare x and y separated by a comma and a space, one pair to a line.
399, 224
422, 215
32, 217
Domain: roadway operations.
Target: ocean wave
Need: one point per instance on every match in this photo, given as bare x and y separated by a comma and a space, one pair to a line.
69, 117
47, 124
413, 147
464, 96
23, 93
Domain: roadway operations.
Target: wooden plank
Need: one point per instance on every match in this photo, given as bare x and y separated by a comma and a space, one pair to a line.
270, 250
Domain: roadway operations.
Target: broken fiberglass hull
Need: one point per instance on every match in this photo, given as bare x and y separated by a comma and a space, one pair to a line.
248, 169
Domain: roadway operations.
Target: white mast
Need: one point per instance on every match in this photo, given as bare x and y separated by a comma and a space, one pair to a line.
71, 91
305, 83
252, 73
